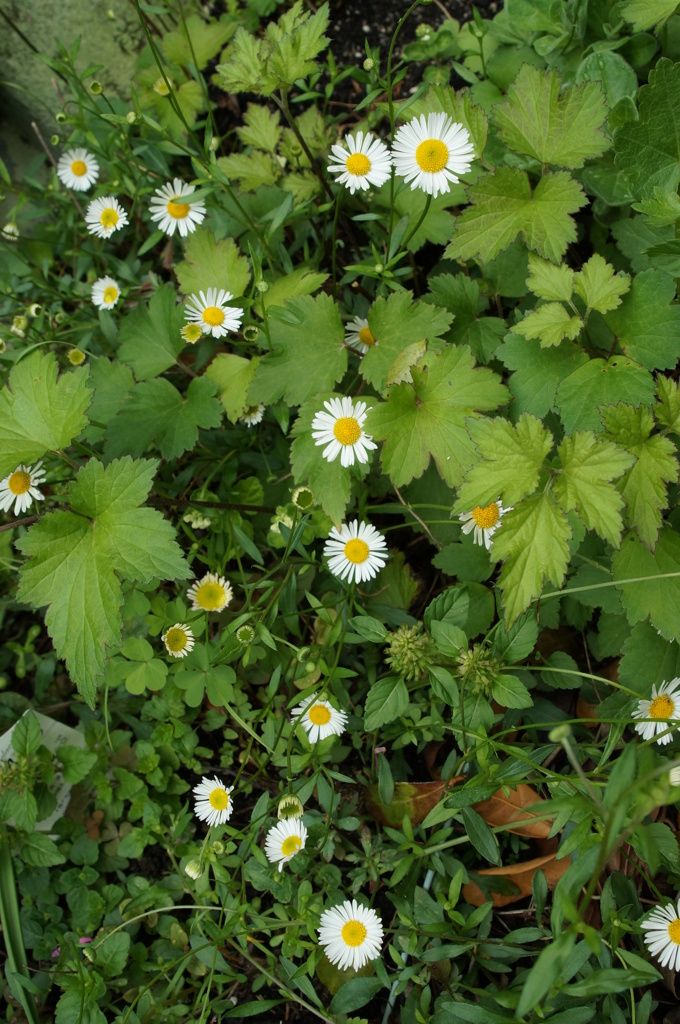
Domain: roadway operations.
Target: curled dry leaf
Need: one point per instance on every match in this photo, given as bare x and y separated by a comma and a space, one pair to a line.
502, 809
521, 875
413, 798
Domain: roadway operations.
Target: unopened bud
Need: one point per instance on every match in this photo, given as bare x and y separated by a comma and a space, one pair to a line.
96, 88
193, 868
60, 117
369, 64
251, 333
559, 733
262, 287
54, 140
289, 807
245, 635
217, 848
35, 309
20, 322
303, 498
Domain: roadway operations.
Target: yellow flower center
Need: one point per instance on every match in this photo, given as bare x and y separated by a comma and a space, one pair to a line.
319, 714
110, 294
353, 933
219, 799
347, 430
176, 640
178, 210
19, 482
210, 596
78, 167
486, 517
432, 155
674, 931
213, 316
76, 357
161, 87
109, 218
365, 336
192, 333
356, 550
358, 164
290, 845
661, 707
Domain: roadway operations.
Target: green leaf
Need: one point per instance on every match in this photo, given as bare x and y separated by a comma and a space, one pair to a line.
510, 458
646, 324
291, 286
150, 338
564, 130
588, 466
251, 170
461, 295
398, 324
76, 762
245, 68
618, 78
538, 372
39, 851
550, 282
307, 355
386, 700
545, 971
650, 595
232, 374
467, 561
427, 419
38, 412
551, 323
644, 487
196, 41
667, 410
296, 41
76, 560
601, 382
369, 628
208, 263
482, 838
510, 692
533, 543
260, 128
112, 384
648, 149
661, 209
647, 659
598, 285
504, 207
330, 481
156, 413
27, 735
646, 14
112, 953
354, 994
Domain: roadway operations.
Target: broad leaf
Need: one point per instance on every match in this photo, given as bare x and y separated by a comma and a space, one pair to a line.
510, 460
399, 324
302, 281
598, 285
538, 372
655, 590
646, 324
232, 374
550, 323
77, 559
196, 41
208, 263
648, 149
550, 282
601, 382
149, 336
38, 411
646, 14
461, 295
588, 466
667, 409
386, 700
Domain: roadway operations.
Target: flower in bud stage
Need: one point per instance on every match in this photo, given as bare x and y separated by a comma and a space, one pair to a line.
20, 322
60, 117
193, 868
559, 733
251, 333
262, 287
410, 651
369, 64
10, 232
245, 635
303, 498
55, 140
289, 807
34, 309
96, 88
480, 672
218, 848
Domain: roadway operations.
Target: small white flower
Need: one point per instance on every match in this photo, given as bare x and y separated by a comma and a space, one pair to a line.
319, 719
104, 216
253, 415
105, 293
341, 430
21, 487
484, 521
366, 161
212, 593
77, 169
431, 153
178, 640
358, 335
172, 208
662, 935
192, 333
210, 311
663, 709
355, 551
213, 802
352, 935
284, 841
10, 232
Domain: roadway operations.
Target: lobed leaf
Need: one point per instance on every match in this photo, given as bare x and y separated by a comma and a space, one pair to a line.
551, 323
510, 460
209, 263
646, 323
655, 590
399, 326
149, 336
588, 466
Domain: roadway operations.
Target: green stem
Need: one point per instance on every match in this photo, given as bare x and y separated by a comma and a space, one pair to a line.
420, 221
15, 965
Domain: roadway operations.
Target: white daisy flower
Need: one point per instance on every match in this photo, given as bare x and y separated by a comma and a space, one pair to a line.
484, 521
431, 153
319, 719
366, 161
192, 333
663, 709
21, 487
77, 169
662, 935
104, 216
356, 551
212, 593
253, 415
674, 776
213, 803
210, 311
194, 868
178, 640
340, 429
105, 292
173, 209
352, 935
358, 335
284, 841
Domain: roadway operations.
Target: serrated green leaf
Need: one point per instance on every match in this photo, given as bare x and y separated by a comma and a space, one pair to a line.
157, 414
39, 411
40, 851
588, 466
397, 324
646, 324
466, 561
112, 384
251, 170
504, 207
426, 419
76, 762
598, 285
232, 374
510, 458
299, 40
649, 595
648, 150
667, 409
150, 338
533, 544
549, 322
330, 481
601, 382
261, 128
208, 263
245, 69
26, 735
646, 14
510, 692
196, 41
647, 659
550, 282
661, 208
77, 558
461, 295
538, 372
386, 700
302, 281
307, 355
560, 129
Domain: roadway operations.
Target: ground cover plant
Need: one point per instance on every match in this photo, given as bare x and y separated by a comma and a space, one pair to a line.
339, 458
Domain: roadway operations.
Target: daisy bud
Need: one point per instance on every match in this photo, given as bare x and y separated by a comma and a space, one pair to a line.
34, 309
422, 30
96, 88
303, 498
410, 651
369, 64
60, 318
60, 118
262, 287
214, 143
559, 733
194, 869
674, 776
3, 345
17, 331
218, 848
251, 333
245, 635
20, 322
289, 807
10, 232
54, 140
131, 117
